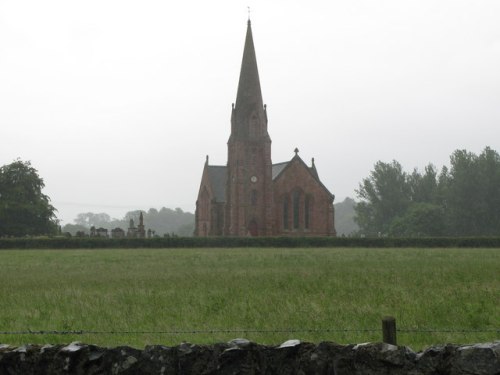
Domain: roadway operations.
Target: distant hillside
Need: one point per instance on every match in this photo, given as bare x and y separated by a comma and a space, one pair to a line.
344, 217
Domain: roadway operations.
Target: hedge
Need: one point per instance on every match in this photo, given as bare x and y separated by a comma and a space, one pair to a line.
210, 242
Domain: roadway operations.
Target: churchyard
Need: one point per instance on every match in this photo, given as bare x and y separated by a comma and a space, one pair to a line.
138, 297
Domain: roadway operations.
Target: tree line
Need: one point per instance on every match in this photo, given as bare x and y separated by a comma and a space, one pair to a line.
161, 222
463, 200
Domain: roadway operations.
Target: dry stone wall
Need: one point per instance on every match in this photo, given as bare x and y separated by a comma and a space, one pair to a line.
240, 356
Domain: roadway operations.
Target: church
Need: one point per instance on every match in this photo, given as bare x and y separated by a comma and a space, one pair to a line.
251, 196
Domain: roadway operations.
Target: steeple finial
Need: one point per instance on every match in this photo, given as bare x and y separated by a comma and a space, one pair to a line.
248, 15
296, 151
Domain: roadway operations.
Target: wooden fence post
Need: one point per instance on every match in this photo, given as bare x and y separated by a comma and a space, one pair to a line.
389, 330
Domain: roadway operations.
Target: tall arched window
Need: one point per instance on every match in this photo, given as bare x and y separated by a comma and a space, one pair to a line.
285, 212
296, 209
307, 211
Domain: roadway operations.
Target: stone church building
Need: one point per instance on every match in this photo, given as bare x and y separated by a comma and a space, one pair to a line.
251, 196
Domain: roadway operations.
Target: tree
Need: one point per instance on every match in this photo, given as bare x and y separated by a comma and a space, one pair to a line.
424, 187
473, 193
395, 203
89, 219
24, 209
424, 216
385, 195
419, 220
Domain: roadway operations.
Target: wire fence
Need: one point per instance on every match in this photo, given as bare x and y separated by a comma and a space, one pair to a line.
237, 331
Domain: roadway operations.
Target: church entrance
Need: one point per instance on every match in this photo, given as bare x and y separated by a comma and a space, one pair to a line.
253, 230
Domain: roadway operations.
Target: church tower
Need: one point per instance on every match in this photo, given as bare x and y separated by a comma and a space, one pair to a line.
249, 195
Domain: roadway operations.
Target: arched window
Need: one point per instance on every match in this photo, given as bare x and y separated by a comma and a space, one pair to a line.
296, 209
307, 211
285, 212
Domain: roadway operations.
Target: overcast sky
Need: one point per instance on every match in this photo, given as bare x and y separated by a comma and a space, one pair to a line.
116, 103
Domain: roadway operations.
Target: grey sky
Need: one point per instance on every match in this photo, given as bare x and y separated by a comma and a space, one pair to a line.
116, 103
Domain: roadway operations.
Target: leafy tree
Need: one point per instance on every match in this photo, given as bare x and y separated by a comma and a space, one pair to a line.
24, 209
489, 167
424, 216
424, 187
473, 193
419, 220
385, 195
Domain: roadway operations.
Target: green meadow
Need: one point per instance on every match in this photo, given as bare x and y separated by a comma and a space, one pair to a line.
139, 297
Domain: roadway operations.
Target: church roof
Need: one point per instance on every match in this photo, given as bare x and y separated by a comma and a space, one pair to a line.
278, 168
217, 175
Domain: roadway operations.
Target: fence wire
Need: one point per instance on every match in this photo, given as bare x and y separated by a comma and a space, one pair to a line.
236, 331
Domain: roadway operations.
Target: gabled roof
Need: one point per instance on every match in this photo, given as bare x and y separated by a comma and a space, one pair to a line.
280, 168
217, 176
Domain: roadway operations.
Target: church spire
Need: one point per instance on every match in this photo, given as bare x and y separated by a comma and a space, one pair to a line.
249, 193
248, 112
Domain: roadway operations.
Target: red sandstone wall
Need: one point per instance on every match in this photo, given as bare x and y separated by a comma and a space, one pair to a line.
297, 177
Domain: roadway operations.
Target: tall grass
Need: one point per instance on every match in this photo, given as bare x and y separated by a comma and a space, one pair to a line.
249, 289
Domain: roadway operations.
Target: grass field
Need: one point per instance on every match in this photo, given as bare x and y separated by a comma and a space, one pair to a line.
249, 289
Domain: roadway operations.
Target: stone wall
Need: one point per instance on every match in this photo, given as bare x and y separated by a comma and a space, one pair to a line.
240, 356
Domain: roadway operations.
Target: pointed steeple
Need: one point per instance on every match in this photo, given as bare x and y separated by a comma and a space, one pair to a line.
249, 193
249, 93
249, 117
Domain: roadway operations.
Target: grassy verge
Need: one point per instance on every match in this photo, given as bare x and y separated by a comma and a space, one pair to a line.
249, 289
